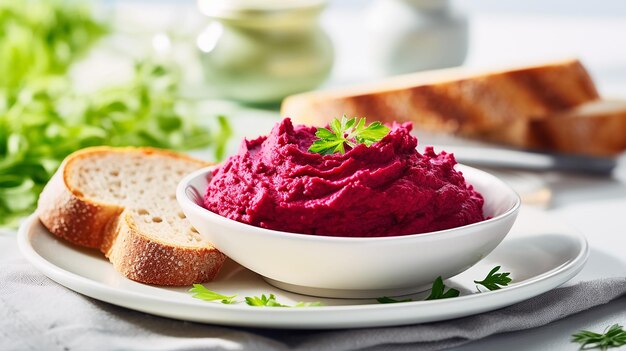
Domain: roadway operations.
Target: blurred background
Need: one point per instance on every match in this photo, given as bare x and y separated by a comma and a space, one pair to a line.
491, 32
198, 76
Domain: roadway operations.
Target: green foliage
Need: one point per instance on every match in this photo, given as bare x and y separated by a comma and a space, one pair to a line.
615, 336
42, 119
39, 38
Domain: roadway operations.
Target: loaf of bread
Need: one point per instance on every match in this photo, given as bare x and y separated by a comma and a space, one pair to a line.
453, 100
122, 202
540, 107
596, 128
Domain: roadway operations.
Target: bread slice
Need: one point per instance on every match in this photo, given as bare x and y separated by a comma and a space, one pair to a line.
597, 128
453, 100
122, 202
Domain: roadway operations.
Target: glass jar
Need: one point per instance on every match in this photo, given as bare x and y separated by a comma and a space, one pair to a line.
415, 35
261, 51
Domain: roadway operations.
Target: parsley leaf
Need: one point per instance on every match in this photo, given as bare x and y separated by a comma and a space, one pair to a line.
386, 299
202, 293
615, 336
270, 301
349, 132
495, 281
438, 291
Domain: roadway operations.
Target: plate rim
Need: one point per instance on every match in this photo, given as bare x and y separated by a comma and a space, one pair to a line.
537, 285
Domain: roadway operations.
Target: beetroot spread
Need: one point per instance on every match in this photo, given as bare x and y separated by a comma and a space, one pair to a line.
386, 189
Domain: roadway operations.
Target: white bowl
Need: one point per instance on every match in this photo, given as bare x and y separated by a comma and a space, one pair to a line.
355, 267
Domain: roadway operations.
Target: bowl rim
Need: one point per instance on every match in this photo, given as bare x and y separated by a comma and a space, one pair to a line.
186, 203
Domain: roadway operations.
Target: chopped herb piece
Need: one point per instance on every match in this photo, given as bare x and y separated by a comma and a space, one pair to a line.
495, 281
202, 293
438, 291
615, 336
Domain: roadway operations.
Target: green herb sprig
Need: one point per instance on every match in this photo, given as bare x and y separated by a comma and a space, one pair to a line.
349, 132
438, 291
494, 280
614, 336
263, 301
270, 301
202, 293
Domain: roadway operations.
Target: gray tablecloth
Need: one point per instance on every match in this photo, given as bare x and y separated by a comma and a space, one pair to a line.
37, 314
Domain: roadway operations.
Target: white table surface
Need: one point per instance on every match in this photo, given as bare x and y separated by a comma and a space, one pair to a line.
596, 206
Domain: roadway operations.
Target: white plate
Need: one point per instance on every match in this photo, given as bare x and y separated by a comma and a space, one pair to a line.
539, 253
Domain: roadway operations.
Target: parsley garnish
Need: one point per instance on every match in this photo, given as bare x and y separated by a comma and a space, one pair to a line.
202, 293
615, 336
495, 281
349, 132
438, 291
270, 301
267, 301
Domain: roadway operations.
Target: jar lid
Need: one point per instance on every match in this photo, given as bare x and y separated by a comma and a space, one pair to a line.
257, 9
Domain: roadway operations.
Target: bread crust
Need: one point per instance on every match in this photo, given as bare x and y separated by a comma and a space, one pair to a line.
461, 103
70, 216
596, 134
149, 261
67, 213
530, 107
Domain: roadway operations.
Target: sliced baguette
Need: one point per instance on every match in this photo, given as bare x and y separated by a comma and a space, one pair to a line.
122, 202
453, 100
596, 128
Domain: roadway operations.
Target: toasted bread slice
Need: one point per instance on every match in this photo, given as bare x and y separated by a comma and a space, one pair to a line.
596, 128
122, 202
453, 100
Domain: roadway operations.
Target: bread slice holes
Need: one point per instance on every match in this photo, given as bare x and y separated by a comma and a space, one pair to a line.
193, 230
114, 173
142, 211
181, 215
157, 219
